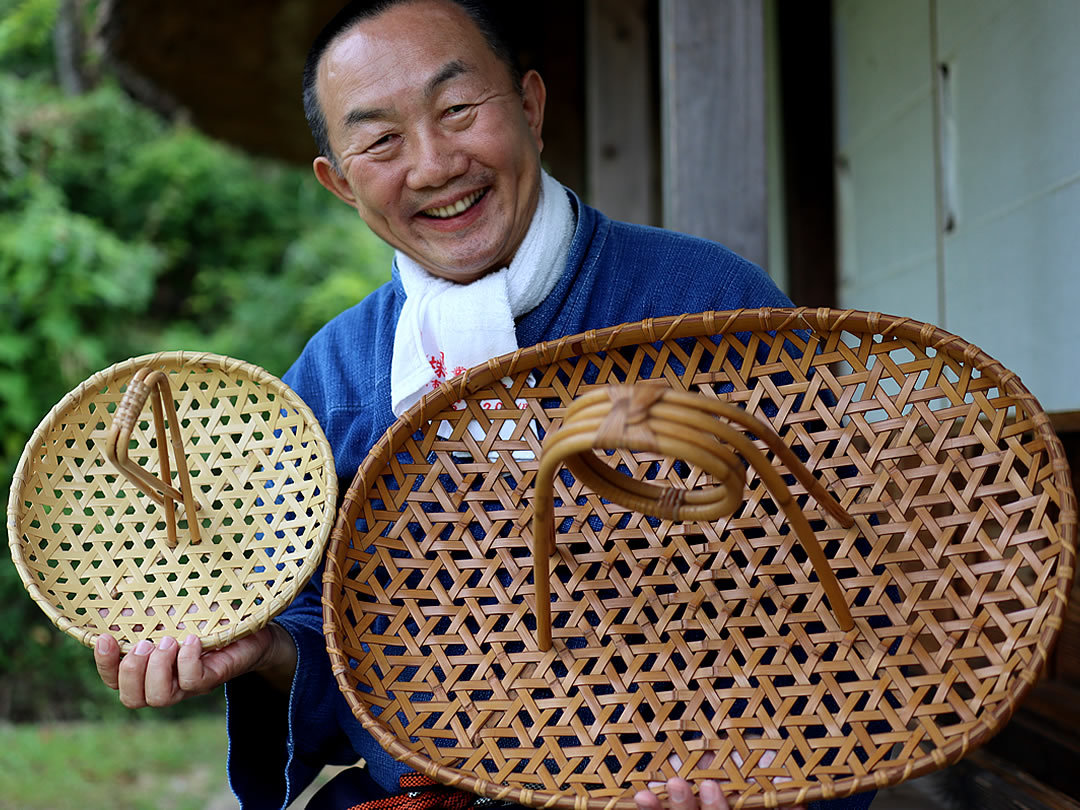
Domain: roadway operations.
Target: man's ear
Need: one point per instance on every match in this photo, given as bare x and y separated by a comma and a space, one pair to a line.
533, 96
333, 181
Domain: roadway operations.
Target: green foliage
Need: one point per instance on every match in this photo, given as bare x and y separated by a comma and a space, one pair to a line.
267, 313
26, 34
122, 234
60, 271
82, 144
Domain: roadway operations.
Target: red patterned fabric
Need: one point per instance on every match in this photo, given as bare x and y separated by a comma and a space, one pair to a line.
419, 792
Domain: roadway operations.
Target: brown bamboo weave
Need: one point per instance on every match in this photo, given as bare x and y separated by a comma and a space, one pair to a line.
689, 639
94, 548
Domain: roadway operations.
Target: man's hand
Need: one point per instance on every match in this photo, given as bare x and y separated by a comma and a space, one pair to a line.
172, 671
681, 795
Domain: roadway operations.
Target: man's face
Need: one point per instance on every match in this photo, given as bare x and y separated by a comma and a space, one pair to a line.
439, 153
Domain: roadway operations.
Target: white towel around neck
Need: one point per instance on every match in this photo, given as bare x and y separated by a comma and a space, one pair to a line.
447, 327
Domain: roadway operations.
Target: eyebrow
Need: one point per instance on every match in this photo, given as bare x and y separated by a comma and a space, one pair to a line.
447, 72
356, 117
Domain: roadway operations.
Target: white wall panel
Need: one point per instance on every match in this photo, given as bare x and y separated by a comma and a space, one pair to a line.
1016, 103
1012, 281
1013, 289
885, 160
1005, 275
902, 292
882, 53
892, 200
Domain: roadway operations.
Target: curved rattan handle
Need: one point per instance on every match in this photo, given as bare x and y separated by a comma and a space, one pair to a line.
154, 385
678, 425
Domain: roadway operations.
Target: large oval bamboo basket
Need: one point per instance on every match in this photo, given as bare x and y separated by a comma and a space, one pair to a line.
706, 640
101, 551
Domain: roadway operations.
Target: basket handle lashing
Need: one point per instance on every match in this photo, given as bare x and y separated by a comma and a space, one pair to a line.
676, 424
154, 385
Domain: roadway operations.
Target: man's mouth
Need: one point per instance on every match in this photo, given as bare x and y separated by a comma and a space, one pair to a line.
459, 207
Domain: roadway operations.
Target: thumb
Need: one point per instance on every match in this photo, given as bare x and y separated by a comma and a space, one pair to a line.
200, 672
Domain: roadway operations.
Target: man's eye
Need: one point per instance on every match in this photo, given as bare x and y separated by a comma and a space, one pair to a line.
457, 108
381, 143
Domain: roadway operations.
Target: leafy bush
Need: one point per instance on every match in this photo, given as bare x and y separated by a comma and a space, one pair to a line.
122, 234
25, 32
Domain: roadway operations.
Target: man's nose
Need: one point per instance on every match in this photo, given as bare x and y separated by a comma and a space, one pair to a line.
436, 160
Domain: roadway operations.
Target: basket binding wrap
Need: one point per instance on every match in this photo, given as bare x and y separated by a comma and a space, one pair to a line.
680, 425
695, 638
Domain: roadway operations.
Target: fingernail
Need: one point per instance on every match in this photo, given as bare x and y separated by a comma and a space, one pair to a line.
191, 639
710, 793
101, 645
143, 647
679, 790
167, 643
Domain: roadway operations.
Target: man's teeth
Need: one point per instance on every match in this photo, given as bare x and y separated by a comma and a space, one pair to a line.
454, 209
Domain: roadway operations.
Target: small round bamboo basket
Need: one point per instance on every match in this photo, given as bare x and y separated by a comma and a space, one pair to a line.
538, 589
100, 511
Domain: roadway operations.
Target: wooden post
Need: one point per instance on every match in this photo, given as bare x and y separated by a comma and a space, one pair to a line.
621, 111
712, 91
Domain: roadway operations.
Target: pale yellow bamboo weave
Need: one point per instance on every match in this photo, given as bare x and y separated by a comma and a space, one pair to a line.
93, 549
702, 638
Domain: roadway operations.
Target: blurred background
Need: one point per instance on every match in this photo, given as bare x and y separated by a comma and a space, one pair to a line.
917, 157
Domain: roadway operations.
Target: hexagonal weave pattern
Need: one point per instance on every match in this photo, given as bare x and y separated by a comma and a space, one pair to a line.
91, 546
709, 642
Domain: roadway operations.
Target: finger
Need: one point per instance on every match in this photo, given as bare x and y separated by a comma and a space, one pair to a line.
675, 761
190, 671
712, 798
133, 675
680, 794
107, 659
161, 687
646, 800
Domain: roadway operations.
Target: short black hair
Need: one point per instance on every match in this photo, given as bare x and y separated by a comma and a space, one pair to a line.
483, 14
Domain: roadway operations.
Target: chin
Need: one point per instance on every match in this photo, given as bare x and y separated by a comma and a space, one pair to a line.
465, 276
462, 272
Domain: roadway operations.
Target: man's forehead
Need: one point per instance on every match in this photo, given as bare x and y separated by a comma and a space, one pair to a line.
403, 48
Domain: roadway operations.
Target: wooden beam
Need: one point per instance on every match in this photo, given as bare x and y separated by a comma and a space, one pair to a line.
712, 91
622, 116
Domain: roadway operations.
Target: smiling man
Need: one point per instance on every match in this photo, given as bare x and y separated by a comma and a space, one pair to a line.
426, 128
431, 139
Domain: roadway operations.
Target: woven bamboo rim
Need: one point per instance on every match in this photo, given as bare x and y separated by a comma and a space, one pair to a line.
99, 523
957, 571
